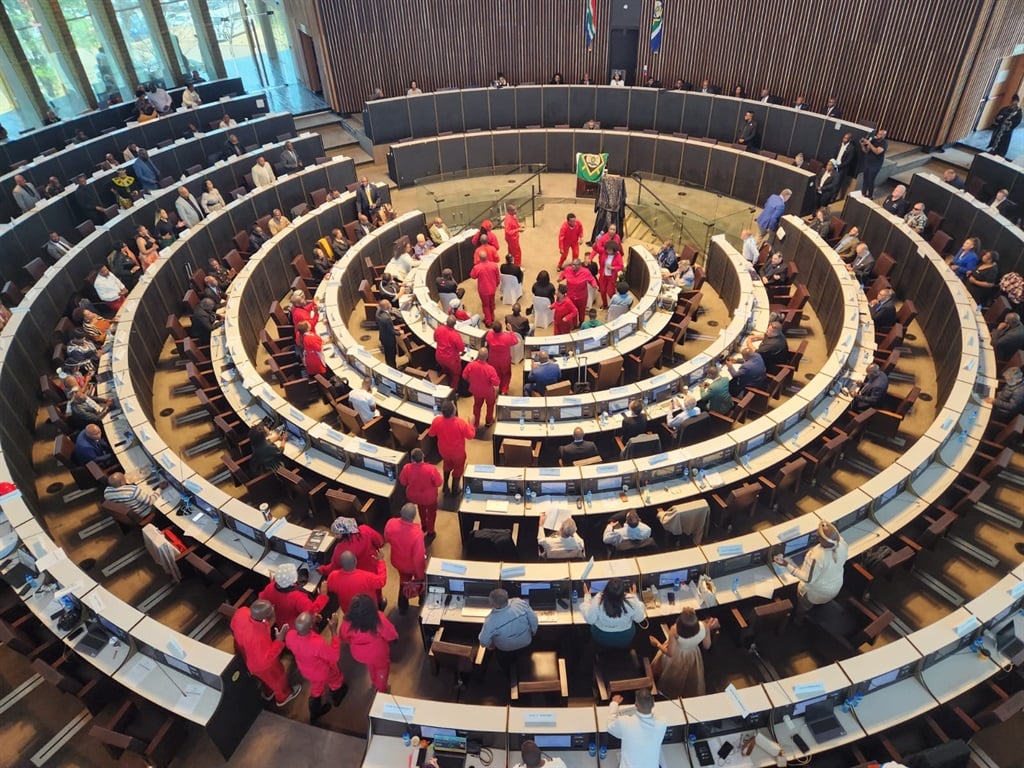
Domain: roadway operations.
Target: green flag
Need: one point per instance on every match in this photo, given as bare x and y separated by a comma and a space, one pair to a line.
591, 167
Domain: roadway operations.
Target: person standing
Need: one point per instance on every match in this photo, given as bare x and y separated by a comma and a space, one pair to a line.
449, 347
483, 383
349, 581
774, 207
451, 432
421, 481
613, 613
874, 148
679, 665
488, 276
577, 282
25, 193
369, 635
288, 599
499, 344
821, 575
387, 334
408, 548
1007, 119
312, 347
508, 628
641, 733
512, 229
570, 235
251, 629
609, 269
566, 314
359, 539
317, 660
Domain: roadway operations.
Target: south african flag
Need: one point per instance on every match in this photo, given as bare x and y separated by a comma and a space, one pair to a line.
590, 23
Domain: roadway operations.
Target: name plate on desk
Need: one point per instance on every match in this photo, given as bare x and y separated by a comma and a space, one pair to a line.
727, 550
520, 570
740, 706
540, 718
193, 486
407, 712
807, 690
1017, 590
967, 627
549, 471
449, 567
606, 468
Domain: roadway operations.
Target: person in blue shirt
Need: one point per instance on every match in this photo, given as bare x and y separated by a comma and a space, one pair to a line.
543, 373
966, 259
90, 446
622, 296
774, 207
667, 258
146, 172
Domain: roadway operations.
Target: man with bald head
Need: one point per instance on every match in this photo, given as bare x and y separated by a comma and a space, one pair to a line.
90, 445
408, 552
261, 653
288, 597
317, 660
349, 581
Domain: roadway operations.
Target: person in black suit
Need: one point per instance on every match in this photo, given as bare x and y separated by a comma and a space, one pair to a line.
204, 320
767, 97
367, 199
871, 390
883, 309
1008, 337
634, 422
800, 103
828, 184
213, 290
953, 178
775, 271
773, 348
846, 162
232, 148
707, 87
832, 109
387, 333
749, 133
578, 449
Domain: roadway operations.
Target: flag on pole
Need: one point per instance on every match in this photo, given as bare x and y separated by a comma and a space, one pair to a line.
659, 12
591, 167
590, 23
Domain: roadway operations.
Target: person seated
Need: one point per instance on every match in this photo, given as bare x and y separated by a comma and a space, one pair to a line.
204, 320
212, 290
685, 277
917, 218
53, 187
775, 271
458, 311
278, 221
578, 449
217, 270
267, 448
591, 321
389, 288
771, 345
516, 322
363, 401
1009, 401
896, 202
983, 282
96, 328
543, 373
622, 297
511, 268
750, 373
136, 498
680, 411
871, 390
110, 289
634, 421
85, 410
821, 222
257, 237
966, 259
90, 445
227, 121
446, 282
953, 178
847, 243
1008, 337
402, 260
81, 355
667, 258
148, 113
862, 263
439, 232
714, 391
883, 309
564, 542
625, 527
1001, 203
422, 247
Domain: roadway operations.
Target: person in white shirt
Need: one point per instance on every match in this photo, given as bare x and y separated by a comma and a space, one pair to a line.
190, 97
533, 758
821, 575
263, 173
628, 527
109, 289
401, 261
363, 402
189, 209
212, 199
679, 412
641, 733
613, 613
227, 121
750, 250
564, 543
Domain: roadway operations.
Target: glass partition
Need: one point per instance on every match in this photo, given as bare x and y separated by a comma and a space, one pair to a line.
466, 198
142, 45
106, 77
184, 37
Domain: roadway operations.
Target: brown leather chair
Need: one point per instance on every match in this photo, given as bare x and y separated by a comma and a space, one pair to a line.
519, 453
621, 671
539, 672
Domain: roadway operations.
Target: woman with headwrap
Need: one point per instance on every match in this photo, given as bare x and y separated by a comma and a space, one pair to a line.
821, 575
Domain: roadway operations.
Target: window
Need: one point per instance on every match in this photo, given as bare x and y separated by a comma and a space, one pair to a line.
142, 44
184, 36
106, 77
43, 55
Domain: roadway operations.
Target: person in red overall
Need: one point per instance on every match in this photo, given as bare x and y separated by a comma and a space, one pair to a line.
488, 276
261, 653
349, 581
301, 309
317, 660
289, 599
369, 635
567, 316
578, 281
601, 244
408, 548
499, 345
483, 382
512, 230
608, 268
312, 350
449, 348
421, 481
486, 238
451, 432
361, 540
570, 235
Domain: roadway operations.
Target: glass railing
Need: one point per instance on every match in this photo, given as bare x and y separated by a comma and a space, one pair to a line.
481, 194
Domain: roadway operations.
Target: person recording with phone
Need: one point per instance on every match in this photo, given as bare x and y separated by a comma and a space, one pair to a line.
821, 575
873, 147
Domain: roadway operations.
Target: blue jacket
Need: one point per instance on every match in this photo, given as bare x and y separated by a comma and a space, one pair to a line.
774, 207
87, 450
147, 174
964, 262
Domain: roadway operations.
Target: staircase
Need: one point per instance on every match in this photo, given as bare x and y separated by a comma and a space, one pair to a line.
338, 136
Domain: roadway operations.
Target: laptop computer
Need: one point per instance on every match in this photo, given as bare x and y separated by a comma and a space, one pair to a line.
450, 751
543, 599
822, 722
1007, 641
94, 641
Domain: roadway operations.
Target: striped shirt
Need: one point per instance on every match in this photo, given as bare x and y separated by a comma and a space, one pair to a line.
134, 497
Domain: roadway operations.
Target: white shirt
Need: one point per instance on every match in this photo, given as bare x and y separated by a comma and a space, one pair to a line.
594, 614
827, 577
618, 83
263, 175
750, 252
559, 544
108, 287
399, 266
190, 98
641, 737
363, 403
615, 535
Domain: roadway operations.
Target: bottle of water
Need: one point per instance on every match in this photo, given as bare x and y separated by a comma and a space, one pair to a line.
529, 495
551, 420
604, 418
522, 423
736, 586
31, 581
592, 749
702, 476
677, 584
603, 753
433, 407
686, 474
847, 705
590, 498
469, 493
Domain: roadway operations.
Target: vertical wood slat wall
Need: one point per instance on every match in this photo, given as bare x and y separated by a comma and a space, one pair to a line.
918, 67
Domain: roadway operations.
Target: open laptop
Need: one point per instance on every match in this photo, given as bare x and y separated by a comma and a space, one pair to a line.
543, 599
1007, 640
93, 641
450, 751
822, 722
477, 600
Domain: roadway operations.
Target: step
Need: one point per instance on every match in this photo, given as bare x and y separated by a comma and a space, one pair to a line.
316, 119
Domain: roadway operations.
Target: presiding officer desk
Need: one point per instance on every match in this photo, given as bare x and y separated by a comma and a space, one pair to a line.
989, 173
896, 682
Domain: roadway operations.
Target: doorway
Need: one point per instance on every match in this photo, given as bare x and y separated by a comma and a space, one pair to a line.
623, 46
312, 68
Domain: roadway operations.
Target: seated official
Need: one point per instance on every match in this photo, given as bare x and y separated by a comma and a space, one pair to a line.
439, 231
362, 400
446, 282
85, 410
137, 499
591, 321
456, 310
771, 345
883, 309
680, 411
871, 391
389, 288
896, 202
1008, 337
613, 613
125, 265
634, 421
821, 222
90, 445
212, 290
775, 271
96, 328
402, 260
204, 320
543, 286
625, 527
966, 259
81, 355
750, 373
714, 392
862, 263
517, 323
532, 757
267, 449
578, 449
917, 218
685, 277
257, 237
847, 243
953, 178
543, 374
278, 221
563, 543
109, 288
1009, 401
508, 628
511, 268
667, 258
422, 246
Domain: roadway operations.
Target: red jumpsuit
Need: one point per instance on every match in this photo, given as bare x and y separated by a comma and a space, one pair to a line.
313, 355
566, 314
317, 660
261, 653
408, 549
577, 281
600, 244
609, 276
363, 545
347, 584
499, 346
372, 649
512, 229
482, 380
490, 249
421, 481
451, 434
308, 312
290, 602
569, 237
488, 277
449, 348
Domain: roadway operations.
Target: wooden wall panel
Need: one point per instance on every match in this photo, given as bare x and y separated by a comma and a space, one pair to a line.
906, 64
